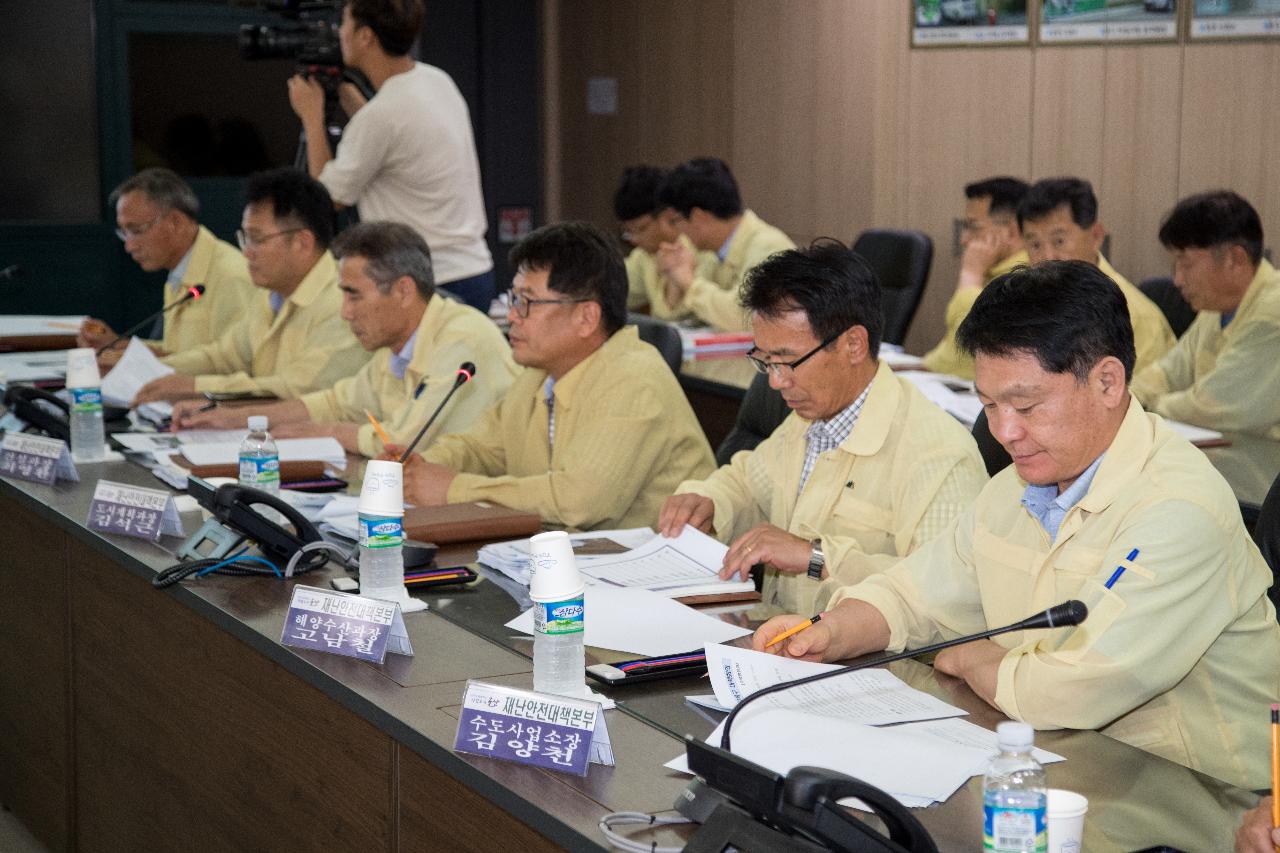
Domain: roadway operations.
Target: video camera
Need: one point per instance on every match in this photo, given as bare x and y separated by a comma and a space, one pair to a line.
311, 39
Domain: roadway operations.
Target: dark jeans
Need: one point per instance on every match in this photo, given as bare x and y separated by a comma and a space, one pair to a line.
477, 291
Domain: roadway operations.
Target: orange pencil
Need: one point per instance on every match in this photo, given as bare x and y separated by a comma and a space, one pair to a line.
813, 620
377, 427
1275, 766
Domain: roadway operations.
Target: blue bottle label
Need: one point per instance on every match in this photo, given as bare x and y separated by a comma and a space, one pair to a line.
86, 400
378, 531
559, 617
259, 471
1007, 829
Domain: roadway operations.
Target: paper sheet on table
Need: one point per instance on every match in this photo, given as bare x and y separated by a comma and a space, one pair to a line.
136, 368
912, 766
23, 325
897, 359
940, 389
146, 442
872, 696
965, 733
326, 449
1193, 434
31, 366
211, 436
640, 622
689, 564
512, 558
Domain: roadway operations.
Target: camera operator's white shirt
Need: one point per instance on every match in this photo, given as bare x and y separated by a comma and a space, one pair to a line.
409, 156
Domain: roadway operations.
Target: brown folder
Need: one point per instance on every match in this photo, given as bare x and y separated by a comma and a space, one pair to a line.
290, 472
468, 522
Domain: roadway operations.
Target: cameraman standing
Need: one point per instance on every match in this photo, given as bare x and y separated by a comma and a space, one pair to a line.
408, 154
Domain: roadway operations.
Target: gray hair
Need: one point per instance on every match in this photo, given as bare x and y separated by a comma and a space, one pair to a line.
390, 250
164, 188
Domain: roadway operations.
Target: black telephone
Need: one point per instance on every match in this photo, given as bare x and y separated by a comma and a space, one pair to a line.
232, 506
49, 413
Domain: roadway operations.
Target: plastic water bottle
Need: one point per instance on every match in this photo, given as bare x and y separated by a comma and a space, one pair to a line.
1013, 795
88, 438
559, 659
381, 554
259, 458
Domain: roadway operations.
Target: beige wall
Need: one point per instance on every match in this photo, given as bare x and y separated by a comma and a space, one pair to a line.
832, 124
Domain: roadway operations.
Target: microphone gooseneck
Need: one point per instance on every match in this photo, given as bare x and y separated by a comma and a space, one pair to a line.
194, 292
465, 373
1071, 612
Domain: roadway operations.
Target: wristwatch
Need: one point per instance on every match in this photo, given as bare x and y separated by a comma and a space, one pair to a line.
816, 560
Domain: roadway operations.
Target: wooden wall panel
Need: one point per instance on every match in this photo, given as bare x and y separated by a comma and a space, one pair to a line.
1068, 104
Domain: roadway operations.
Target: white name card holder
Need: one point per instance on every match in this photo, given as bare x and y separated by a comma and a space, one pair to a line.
133, 511
344, 624
37, 459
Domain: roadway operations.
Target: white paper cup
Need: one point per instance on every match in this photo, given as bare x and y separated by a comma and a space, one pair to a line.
82, 369
554, 574
1065, 819
383, 491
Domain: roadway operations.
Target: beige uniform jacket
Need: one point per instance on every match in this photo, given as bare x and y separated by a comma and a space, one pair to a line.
1152, 335
647, 286
448, 334
228, 292
305, 347
947, 357
625, 437
713, 296
1180, 657
1224, 379
907, 469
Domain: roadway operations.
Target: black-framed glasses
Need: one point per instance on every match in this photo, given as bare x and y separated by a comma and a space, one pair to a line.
521, 303
784, 369
245, 239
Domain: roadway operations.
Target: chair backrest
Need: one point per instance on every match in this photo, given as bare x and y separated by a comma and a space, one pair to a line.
1162, 292
662, 335
901, 260
761, 412
1266, 532
993, 453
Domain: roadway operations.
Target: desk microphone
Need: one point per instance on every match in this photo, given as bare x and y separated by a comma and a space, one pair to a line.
195, 291
466, 372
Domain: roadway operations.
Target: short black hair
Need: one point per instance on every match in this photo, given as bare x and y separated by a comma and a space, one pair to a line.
165, 189
395, 23
1068, 314
638, 192
703, 182
583, 262
390, 250
830, 283
1005, 192
295, 195
1048, 195
1212, 219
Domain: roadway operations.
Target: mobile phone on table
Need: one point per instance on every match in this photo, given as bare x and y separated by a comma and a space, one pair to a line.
649, 669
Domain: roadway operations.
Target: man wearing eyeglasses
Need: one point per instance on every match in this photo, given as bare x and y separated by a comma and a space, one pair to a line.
595, 432
865, 470
292, 338
157, 219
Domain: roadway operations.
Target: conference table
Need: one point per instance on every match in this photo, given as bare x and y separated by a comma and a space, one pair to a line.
133, 718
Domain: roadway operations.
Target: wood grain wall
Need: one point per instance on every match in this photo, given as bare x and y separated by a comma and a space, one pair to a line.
832, 123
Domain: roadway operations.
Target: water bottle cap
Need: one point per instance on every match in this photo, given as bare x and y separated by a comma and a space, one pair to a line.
382, 493
82, 369
554, 571
1014, 736
258, 423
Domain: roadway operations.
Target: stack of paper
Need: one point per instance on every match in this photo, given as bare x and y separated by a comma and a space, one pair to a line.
687, 565
899, 359
33, 366
325, 449
705, 343
868, 724
27, 325
951, 393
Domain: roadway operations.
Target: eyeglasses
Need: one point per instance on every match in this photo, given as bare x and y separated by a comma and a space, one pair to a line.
521, 303
127, 231
246, 240
784, 369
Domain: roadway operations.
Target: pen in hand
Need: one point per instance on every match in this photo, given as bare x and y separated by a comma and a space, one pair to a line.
813, 620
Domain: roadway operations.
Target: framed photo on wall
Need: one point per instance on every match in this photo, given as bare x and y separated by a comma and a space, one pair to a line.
1218, 19
940, 23
1094, 21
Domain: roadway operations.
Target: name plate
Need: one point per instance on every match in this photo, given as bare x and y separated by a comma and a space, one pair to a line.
344, 624
36, 458
553, 732
133, 511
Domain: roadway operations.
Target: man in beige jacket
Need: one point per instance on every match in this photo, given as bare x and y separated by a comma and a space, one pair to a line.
292, 339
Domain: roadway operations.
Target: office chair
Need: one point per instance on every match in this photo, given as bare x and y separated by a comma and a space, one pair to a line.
993, 453
1161, 291
761, 412
661, 335
1266, 533
901, 260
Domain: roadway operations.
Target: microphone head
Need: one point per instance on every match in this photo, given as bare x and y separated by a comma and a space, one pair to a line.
196, 291
466, 372
12, 271
1071, 612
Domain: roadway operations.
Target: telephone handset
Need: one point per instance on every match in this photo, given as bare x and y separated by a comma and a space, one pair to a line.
49, 413
232, 506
